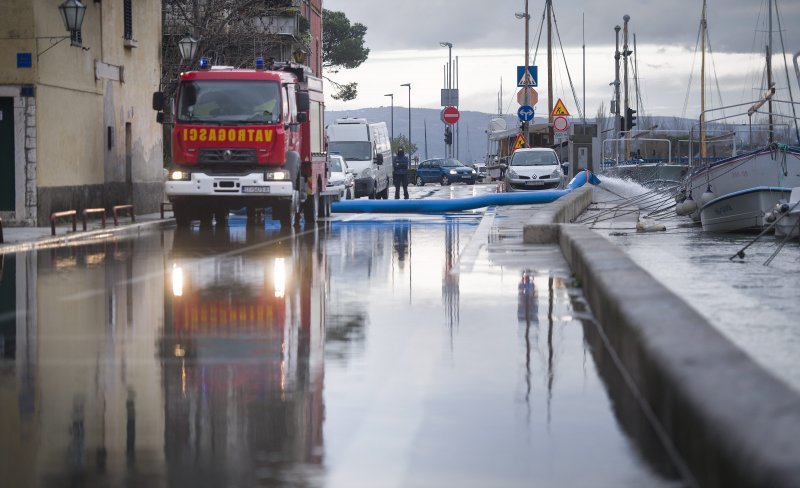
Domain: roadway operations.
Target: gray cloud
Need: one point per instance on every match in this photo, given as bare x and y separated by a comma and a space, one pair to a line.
421, 24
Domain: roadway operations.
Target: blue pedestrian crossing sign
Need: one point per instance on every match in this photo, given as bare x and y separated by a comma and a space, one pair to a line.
525, 113
532, 78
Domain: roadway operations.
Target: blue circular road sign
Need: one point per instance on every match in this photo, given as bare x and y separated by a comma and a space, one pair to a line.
525, 113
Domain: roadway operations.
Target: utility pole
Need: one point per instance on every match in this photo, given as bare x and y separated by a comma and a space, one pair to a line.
549, 70
525, 75
625, 54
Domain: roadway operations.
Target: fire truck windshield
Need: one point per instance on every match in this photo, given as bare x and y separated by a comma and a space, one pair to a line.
226, 101
351, 150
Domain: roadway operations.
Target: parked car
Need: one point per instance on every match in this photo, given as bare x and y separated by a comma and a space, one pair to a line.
340, 178
445, 171
481, 170
535, 168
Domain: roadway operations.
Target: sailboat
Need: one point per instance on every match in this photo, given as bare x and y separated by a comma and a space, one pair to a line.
736, 193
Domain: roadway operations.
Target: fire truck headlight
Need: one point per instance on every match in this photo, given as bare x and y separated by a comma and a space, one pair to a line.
276, 175
177, 281
179, 175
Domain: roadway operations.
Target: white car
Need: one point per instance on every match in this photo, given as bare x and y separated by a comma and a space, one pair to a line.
535, 168
340, 178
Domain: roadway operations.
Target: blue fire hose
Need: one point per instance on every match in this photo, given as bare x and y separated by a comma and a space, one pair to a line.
438, 205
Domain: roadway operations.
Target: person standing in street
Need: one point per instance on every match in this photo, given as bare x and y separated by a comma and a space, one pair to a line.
400, 173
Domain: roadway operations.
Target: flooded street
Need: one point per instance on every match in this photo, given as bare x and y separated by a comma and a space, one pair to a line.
370, 351
754, 305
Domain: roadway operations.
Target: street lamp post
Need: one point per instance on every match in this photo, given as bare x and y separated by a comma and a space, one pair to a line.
409, 117
392, 98
449, 46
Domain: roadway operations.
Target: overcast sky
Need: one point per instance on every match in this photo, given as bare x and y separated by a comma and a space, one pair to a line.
404, 37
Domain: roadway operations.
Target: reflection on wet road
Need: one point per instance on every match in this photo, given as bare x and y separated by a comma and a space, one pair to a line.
390, 352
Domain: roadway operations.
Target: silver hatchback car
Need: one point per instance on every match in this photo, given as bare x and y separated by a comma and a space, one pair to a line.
536, 168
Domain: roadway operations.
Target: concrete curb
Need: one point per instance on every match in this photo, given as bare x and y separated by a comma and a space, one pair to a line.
88, 237
732, 422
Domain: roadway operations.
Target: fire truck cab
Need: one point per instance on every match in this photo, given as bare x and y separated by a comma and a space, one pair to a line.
246, 138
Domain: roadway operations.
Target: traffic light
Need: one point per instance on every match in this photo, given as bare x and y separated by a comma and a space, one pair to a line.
630, 119
448, 136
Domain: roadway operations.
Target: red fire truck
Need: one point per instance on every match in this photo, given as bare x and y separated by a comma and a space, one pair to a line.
246, 138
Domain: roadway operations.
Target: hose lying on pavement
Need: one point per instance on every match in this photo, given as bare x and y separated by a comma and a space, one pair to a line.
467, 203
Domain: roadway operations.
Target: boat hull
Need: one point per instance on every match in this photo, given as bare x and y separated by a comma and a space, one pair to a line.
741, 211
767, 167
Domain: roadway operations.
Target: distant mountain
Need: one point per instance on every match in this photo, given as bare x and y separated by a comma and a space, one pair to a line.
472, 127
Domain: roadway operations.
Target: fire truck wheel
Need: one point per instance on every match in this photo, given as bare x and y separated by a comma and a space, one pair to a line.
181, 215
206, 217
251, 216
221, 216
311, 208
373, 194
284, 213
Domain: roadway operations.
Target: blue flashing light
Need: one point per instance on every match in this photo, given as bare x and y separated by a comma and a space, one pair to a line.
205, 63
260, 64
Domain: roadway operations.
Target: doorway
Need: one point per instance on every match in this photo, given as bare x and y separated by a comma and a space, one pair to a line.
7, 163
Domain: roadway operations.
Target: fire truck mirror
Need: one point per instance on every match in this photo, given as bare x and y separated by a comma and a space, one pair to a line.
379, 158
302, 117
303, 103
158, 101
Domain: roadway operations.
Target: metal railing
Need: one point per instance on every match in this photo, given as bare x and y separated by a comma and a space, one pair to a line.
100, 211
123, 208
66, 213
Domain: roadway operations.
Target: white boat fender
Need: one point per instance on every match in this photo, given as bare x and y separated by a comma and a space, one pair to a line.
645, 226
686, 207
707, 196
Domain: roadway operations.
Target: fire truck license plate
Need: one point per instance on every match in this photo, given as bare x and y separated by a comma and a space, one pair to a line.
255, 189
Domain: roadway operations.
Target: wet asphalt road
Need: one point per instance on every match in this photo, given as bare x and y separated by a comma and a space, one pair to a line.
370, 351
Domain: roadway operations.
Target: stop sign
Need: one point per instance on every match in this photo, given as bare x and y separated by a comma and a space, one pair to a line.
450, 115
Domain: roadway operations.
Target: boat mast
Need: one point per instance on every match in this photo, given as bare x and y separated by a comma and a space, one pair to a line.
625, 53
769, 75
703, 27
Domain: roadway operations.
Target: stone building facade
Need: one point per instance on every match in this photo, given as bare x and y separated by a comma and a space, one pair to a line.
77, 130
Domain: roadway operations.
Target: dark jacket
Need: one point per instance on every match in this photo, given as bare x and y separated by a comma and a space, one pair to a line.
400, 165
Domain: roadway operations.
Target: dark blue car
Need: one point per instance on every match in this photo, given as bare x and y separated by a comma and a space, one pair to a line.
445, 171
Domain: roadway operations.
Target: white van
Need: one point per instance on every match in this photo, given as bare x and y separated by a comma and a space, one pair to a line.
367, 149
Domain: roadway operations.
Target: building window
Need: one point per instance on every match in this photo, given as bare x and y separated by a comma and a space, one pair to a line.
128, 12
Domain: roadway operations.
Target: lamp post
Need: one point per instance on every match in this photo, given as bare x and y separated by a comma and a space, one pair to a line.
449, 46
392, 98
188, 47
409, 117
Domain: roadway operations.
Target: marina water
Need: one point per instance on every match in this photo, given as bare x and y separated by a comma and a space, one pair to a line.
753, 304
